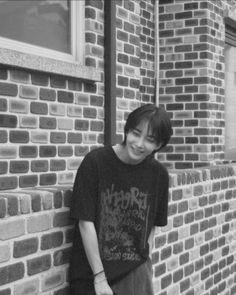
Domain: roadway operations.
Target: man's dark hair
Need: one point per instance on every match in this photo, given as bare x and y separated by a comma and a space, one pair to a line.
158, 123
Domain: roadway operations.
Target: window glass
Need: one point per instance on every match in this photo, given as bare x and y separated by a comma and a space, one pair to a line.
45, 23
230, 102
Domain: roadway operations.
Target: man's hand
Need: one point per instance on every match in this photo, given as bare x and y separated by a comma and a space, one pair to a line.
101, 287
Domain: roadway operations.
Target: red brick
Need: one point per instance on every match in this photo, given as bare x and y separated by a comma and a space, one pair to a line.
38, 265
58, 137
74, 137
66, 97
39, 108
96, 125
39, 79
3, 136
53, 280
28, 181
28, 122
90, 87
65, 151
89, 112
25, 247
8, 121
47, 123
81, 125
3, 207
7, 183
3, 105
75, 84
19, 136
39, 166
18, 106
3, 73
19, 76
8, 152
3, 166
52, 240
11, 273
62, 256
57, 165
90, 62
166, 281
8, 89
47, 151
61, 219
48, 179
47, 94
29, 92
57, 199
36, 202
58, 81
67, 196
160, 270
28, 151
12, 205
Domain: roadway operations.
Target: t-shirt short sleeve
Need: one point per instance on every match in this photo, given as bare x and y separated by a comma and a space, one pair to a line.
84, 197
162, 202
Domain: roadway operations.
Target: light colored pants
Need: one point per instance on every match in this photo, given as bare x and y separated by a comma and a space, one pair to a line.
137, 282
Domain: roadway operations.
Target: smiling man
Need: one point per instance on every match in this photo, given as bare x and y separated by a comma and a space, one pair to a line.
120, 194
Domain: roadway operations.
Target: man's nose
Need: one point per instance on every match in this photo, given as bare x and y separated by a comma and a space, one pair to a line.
140, 142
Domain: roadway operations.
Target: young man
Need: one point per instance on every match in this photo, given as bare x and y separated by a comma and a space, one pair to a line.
120, 194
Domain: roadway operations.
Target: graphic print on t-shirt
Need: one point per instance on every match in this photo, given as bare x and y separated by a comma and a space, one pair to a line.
123, 223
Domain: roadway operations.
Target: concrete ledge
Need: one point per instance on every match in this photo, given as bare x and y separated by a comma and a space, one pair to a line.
38, 63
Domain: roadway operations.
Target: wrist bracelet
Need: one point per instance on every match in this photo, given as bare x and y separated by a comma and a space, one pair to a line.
98, 273
99, 281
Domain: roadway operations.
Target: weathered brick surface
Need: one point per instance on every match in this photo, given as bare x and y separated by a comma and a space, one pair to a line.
195, 251
49, 122
53, 280
11, 273
39, 264
28, 287
25, 247
52, 240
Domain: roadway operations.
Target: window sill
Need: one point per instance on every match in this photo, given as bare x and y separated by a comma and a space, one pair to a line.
38, 63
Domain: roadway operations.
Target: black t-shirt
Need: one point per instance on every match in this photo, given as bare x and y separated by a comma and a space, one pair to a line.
124, 201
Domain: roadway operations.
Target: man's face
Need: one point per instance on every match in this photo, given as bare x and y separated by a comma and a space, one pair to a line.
140, 143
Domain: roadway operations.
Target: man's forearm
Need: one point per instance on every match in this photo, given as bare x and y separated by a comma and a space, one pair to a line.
90, 242
151, 241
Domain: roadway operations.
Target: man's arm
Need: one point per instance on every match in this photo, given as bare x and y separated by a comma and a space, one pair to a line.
151, 241
90, 242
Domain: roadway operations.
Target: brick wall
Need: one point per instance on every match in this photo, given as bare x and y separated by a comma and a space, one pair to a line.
135, 57
35, 241
194, 254
49, 122
192, 35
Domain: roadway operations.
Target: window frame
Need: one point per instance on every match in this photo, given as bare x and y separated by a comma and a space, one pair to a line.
34, 57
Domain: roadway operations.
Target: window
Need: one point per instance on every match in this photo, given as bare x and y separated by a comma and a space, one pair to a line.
44, 27
230, 90
44, 35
